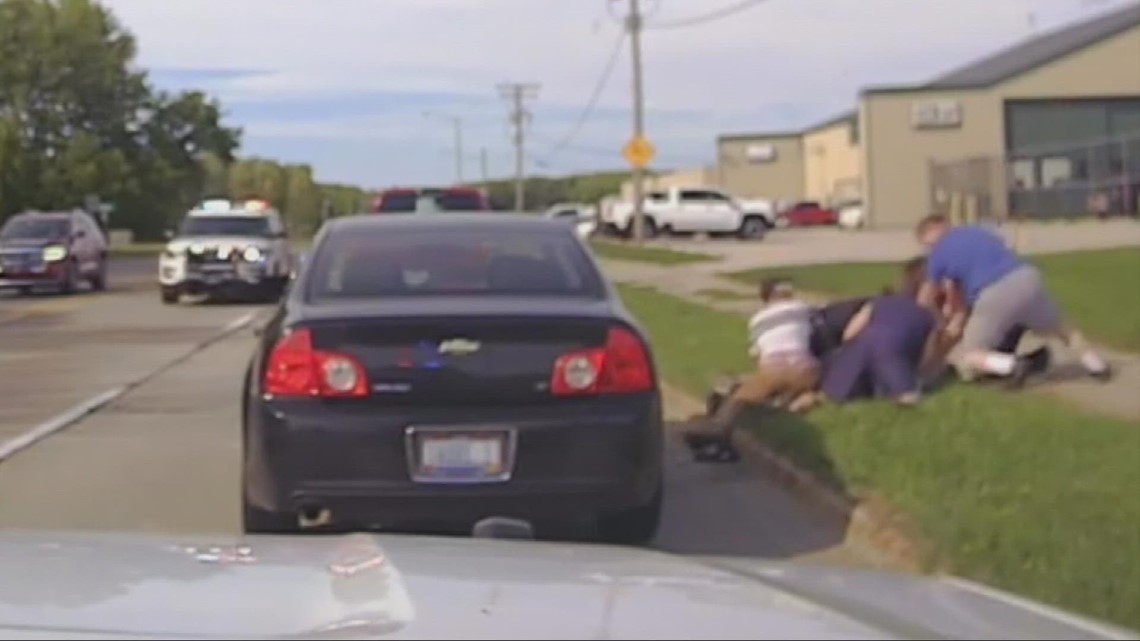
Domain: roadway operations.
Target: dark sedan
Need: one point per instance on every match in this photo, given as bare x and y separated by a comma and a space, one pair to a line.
443, 369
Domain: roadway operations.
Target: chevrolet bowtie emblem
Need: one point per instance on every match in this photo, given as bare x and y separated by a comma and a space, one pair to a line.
459, 346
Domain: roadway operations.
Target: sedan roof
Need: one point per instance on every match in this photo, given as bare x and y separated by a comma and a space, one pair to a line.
505, 221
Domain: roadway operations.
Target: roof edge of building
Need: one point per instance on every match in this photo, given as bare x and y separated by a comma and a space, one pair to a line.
846, 116
759, 135
1115, 21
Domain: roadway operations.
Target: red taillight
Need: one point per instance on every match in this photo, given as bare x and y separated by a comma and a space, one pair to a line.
620, 367
296, 369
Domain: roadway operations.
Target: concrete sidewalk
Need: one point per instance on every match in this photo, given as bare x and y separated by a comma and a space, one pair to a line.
1119, 398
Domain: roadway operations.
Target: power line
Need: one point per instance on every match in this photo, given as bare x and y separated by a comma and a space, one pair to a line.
518, 93
711, 16
592, 102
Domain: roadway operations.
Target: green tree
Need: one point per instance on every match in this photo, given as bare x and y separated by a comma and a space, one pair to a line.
77, 117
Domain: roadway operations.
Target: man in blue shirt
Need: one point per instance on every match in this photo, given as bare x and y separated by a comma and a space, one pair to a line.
1002, 292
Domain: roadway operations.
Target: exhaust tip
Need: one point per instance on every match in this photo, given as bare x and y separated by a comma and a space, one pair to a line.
501, 527
311, 516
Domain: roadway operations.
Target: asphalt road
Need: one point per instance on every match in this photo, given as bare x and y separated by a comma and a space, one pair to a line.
163, 457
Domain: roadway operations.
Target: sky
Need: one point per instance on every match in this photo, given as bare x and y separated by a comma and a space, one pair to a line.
363, 90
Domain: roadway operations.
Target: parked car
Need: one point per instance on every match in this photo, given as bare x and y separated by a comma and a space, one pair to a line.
430, 200
443, 368
807, 214
583, 217
683, 210
58, 250
851, 215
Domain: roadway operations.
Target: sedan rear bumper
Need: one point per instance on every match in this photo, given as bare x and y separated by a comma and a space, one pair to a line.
572, 461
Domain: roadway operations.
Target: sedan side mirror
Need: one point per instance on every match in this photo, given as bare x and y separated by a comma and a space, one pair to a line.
79, 233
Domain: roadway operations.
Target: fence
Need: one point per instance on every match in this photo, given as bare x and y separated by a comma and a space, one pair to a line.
1100, 178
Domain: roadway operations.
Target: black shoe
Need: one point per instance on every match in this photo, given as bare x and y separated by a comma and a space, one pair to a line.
708, 448
1039, 360
1021, 370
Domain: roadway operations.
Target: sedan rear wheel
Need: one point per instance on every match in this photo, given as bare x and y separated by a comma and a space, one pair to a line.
258, 521
636, 526
99, 279
70, 279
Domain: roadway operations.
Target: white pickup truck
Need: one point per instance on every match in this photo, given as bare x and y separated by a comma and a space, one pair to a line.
682, 210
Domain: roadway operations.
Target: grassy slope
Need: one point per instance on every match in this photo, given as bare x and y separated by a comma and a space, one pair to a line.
1020, 491
1098, 290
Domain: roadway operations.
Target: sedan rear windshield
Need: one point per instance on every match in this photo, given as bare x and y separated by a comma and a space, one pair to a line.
32, 228
439, 262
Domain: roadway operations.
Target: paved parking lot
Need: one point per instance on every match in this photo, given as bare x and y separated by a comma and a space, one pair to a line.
163, 456
832, 245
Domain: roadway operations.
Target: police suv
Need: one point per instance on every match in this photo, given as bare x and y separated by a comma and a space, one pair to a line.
227, 248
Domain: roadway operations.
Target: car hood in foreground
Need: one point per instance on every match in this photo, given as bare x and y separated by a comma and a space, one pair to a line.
359, 586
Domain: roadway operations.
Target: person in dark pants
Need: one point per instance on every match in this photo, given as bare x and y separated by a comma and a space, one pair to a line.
887, 345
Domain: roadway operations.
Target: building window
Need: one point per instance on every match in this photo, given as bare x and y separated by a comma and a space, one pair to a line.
853, 132
1078, 152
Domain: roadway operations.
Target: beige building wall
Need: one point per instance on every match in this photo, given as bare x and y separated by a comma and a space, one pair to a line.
896, 157
745, 174
831, 162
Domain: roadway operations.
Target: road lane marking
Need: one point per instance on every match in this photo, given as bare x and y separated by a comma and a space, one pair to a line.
58, 422
77, 413
239, 322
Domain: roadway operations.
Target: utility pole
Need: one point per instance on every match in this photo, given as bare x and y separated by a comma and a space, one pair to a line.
458, 150
457, 123
518, 93
483, 165
633, 24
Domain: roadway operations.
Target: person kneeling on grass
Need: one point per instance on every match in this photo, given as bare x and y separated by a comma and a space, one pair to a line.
1003, 291
887, 346
779, 334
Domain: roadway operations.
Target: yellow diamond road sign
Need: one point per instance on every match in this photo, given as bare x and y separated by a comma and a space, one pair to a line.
639, 152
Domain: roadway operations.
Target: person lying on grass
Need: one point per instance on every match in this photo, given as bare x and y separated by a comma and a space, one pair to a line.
889, 345
779, 336
1002, 291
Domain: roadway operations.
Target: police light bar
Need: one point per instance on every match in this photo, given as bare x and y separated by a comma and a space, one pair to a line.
256, 205
216, 205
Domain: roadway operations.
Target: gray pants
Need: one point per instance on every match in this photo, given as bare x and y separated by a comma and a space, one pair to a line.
1018, 298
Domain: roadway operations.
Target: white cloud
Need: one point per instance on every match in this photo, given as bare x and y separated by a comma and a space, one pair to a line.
815, 53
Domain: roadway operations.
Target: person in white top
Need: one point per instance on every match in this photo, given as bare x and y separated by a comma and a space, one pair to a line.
780, 336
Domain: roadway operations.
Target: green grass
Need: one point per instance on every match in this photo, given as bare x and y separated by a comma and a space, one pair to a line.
1024, 492
137, 249
1098, 290
658, 255
717, 293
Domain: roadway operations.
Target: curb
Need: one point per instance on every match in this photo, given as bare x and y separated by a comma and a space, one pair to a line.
77, 413
871, 526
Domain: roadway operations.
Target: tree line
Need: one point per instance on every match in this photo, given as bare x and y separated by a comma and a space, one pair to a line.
542, 191
78, 118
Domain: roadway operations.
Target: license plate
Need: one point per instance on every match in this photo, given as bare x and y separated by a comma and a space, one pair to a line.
459, 457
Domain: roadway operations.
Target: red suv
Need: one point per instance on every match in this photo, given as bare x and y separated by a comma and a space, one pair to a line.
58, 250
431, 200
